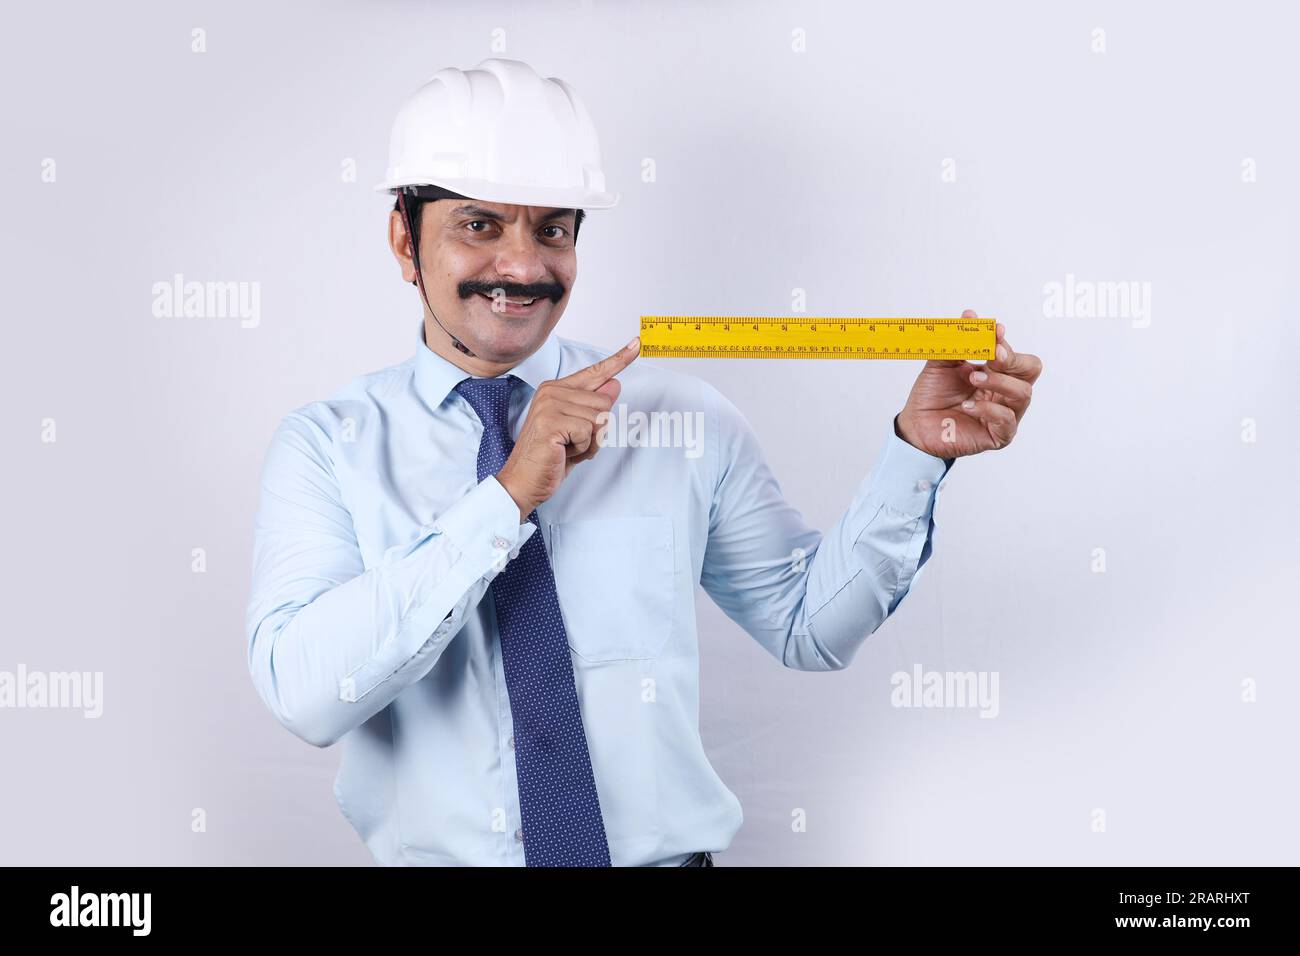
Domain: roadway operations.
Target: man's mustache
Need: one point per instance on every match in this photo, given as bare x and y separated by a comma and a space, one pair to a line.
511, 290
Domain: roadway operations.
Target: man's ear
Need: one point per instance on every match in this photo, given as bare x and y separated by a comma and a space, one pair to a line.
400, 242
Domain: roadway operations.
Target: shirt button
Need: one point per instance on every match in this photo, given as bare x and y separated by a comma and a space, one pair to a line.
923, 485
500, 543
519, 835
512, 741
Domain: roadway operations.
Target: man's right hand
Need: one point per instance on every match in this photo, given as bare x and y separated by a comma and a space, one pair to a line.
561, 429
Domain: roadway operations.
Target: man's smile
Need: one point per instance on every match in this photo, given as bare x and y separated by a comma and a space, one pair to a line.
513, 306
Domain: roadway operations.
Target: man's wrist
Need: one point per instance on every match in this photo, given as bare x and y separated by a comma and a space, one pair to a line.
525, 508
903, 435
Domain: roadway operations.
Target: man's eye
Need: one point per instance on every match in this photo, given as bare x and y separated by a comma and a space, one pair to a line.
563, 232
476, 222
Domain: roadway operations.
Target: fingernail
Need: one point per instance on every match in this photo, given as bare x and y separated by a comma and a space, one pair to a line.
633, 343
968, 404
978, 376
1002, 353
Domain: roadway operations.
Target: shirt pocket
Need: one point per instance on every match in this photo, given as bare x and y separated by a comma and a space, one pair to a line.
615, 581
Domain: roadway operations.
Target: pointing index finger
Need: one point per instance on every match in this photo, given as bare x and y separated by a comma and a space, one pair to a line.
594, 376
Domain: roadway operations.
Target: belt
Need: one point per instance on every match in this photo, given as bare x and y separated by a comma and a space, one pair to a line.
703, 858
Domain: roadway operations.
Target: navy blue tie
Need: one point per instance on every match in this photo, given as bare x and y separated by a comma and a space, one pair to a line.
557, 791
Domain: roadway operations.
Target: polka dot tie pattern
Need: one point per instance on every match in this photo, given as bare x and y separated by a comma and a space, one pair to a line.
562, 824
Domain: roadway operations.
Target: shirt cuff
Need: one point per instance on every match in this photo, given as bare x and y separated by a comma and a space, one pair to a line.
906, 478
484, 525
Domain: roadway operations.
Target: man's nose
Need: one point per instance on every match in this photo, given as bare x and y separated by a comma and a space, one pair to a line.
519, 260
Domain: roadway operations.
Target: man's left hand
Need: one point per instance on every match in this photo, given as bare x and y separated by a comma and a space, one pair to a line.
957, 408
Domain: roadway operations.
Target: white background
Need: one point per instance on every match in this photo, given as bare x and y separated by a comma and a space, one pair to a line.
776, 170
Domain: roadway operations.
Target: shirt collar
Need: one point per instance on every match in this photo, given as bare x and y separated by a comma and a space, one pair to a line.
435, 377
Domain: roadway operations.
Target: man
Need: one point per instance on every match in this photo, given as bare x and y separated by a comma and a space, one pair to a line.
496, 620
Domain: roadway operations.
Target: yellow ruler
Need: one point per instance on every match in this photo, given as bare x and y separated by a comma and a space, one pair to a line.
816, 337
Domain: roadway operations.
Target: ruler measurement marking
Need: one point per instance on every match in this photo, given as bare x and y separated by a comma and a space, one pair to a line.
847, 337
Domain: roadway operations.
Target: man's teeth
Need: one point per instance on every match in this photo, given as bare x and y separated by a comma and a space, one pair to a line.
517, 301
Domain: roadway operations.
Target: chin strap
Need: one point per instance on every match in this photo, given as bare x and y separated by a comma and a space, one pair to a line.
419, 273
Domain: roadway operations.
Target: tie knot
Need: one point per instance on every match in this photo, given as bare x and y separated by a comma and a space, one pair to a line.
490, 399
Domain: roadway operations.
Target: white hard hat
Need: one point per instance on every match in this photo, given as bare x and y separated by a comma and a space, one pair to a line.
499, 133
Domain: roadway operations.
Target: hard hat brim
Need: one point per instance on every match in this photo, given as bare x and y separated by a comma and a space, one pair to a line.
514, 195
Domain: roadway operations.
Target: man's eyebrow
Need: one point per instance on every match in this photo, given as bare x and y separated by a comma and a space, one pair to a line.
480, 212
559, 214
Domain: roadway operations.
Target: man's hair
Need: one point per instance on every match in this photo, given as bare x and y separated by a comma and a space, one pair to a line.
416, 206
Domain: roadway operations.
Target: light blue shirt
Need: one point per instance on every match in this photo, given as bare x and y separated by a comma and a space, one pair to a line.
375, 545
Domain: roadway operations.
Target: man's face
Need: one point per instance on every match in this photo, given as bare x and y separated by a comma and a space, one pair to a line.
479, 258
